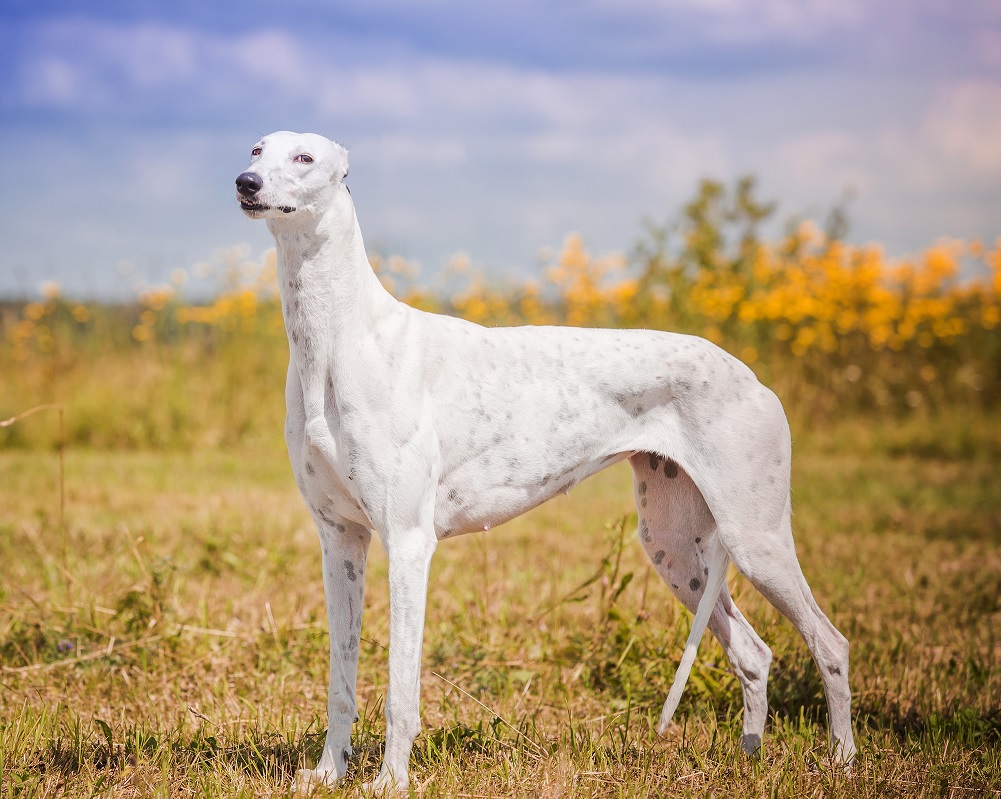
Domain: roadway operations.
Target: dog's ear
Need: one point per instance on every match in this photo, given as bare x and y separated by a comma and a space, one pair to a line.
340, 157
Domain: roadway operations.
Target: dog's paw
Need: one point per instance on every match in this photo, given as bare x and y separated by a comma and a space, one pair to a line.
307, 780
751, 745
845, 759
843, 755
386, 785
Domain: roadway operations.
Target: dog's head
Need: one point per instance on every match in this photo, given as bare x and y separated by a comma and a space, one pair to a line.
291, 174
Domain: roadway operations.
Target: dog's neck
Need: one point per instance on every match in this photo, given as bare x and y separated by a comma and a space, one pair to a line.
324, 276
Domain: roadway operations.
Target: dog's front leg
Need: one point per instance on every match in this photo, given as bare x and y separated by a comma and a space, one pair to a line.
409, 562
345, 550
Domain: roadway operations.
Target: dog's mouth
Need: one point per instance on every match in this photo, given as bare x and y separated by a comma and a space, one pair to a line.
255, 207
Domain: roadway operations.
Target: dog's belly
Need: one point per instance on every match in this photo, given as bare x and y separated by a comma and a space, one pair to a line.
477, 503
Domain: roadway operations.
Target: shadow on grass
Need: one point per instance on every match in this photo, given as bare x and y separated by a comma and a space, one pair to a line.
795, 691
964, 726
263, 756
260, 755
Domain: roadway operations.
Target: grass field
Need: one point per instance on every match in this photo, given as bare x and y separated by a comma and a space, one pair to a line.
169, 639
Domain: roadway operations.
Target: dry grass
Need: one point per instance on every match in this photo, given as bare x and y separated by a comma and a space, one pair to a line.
171, 640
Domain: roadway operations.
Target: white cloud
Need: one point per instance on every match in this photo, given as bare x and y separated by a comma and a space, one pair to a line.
125, 68
56, 80
914, 180
272, 56
953, 144
825, 158
396, 150
964, 124
151, 55
752, 20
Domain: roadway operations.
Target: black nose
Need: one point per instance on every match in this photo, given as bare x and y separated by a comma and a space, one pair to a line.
249, 183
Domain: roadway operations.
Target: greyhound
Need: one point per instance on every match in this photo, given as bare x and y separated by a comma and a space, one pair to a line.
421, 426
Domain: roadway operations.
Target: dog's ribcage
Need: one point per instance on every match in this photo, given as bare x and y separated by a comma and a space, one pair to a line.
526, 413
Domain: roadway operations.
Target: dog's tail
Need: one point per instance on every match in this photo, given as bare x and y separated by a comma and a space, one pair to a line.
714, 584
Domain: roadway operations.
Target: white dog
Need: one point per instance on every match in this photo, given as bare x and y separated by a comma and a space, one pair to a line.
421, 427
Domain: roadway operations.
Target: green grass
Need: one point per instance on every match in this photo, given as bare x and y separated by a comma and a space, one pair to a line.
170, 641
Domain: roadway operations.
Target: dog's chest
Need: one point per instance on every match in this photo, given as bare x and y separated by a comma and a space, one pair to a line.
330, 488
304, 325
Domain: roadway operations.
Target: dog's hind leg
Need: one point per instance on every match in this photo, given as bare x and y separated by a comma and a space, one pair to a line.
769, 561
753, 513
679, 534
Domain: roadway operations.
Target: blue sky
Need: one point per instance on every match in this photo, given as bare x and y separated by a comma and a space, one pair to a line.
492, 129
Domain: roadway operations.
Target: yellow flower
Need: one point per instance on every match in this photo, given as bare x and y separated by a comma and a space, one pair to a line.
23, 330
990, 317
44, 339
805, 339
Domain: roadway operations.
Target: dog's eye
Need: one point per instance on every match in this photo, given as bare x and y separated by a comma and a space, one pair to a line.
304, 158
256, 151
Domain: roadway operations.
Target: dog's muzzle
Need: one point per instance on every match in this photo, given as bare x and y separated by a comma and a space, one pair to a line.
248, 184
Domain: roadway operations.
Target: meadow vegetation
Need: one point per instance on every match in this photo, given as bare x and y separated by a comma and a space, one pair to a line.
162, 628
